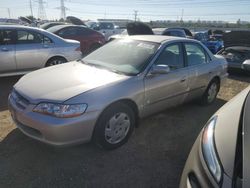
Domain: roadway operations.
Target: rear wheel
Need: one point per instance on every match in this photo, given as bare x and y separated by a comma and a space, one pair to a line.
211, 92
115, 126
55, 61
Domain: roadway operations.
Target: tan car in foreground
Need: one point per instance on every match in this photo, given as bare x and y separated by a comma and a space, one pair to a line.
102, 96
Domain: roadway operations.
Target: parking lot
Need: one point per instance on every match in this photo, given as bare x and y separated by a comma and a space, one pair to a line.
153, 157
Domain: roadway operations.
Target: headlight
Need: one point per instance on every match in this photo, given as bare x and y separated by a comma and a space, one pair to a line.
61, 110
209, 150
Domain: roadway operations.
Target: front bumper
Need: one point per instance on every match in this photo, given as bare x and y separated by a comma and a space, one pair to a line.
196, 173
52, 130
236, 66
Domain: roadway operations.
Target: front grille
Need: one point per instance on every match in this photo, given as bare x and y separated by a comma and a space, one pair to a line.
19, 100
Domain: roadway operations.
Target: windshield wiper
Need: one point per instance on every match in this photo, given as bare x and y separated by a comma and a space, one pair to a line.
106, 68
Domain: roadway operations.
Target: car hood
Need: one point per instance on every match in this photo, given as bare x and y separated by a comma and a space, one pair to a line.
62, 82
226, 131
237, 38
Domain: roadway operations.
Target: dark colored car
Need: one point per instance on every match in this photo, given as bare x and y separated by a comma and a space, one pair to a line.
215, 43
220, 155
178, 32
201, 36
236, 50
211, 40
89, 39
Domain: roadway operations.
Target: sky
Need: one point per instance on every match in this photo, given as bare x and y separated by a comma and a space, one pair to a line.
213, 10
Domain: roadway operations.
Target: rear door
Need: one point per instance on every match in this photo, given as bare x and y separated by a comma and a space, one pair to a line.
199, 66
7, 51
165, 90
32, 49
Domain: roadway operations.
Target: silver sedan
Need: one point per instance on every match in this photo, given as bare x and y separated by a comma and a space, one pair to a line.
101, 96
24, 49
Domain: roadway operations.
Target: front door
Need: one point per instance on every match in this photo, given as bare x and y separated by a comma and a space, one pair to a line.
7, 51
166, 90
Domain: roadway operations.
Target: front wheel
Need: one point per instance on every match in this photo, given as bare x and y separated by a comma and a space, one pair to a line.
115, 126
211, 92
55, 61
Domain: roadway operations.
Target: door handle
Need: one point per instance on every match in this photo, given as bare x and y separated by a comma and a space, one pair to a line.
5, 49
183, 79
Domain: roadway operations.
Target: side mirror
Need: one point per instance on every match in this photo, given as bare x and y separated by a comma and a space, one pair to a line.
159, 69
246, 65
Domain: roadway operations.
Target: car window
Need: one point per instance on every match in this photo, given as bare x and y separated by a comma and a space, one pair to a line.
172, 57
7, 37
84, 31
106, 26
195, 54
47, 40
27, 37
66, 32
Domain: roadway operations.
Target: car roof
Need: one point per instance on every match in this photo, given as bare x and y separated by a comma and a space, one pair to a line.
19, 27
159, 38
58, 27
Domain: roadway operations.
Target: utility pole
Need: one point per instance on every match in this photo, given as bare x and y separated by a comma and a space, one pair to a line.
135, 14
31, 11
41, 10
63, 10
9, 12
182, 12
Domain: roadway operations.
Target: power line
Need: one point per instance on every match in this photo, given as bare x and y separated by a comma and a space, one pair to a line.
41, 10
9, 12
135, 14
63, 10
31, 11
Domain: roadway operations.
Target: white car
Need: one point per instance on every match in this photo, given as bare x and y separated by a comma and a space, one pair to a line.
106, 28
24, 49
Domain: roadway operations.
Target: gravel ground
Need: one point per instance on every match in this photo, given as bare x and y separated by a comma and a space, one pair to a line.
153, 157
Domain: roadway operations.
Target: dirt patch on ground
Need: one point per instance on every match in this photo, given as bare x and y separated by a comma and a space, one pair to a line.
154, 156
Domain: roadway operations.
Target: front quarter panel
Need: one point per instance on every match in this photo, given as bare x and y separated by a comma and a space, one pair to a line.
100, 98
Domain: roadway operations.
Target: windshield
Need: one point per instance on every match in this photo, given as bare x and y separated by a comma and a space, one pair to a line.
123, 55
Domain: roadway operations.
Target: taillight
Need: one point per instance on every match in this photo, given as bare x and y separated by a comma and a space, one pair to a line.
78, 49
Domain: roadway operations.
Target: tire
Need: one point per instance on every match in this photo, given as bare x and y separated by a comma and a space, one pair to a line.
110, 137
55, 61
211, 92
